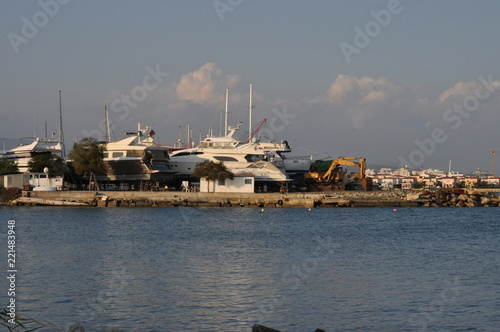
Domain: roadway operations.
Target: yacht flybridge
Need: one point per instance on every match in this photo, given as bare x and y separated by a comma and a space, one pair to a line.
136, 158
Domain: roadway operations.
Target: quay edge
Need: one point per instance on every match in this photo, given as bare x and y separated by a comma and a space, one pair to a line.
193, 199
447, 198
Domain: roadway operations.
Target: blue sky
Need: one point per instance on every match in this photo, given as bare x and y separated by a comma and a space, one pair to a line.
391, 101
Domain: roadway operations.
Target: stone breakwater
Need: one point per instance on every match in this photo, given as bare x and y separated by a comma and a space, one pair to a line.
393, 198
459, 198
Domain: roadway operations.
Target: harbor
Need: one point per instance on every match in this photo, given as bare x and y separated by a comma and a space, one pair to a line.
395, 198
233, 168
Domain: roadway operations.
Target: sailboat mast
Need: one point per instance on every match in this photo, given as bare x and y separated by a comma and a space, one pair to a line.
107, 135
61, 134
225, 115
250, 106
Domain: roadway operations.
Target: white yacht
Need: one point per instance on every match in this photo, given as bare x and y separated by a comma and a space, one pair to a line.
252, 157
136, 158
23, 153
238, 155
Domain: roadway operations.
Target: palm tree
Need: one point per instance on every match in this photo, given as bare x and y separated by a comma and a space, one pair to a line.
212, 171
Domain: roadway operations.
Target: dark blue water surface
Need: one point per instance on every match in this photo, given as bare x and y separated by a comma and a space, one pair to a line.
224, 269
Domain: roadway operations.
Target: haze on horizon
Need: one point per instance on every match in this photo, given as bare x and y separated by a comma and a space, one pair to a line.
396, 82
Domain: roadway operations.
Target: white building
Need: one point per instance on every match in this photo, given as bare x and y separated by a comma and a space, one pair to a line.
37, 181
449, 182
241, 183
385, 171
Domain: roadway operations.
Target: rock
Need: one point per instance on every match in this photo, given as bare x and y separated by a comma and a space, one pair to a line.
485, 200
262, 328
463, 197
77, 327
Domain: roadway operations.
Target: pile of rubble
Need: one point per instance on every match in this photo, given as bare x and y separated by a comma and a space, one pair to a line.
458, 198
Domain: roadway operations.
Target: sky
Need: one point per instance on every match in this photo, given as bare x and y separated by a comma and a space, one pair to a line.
405, 82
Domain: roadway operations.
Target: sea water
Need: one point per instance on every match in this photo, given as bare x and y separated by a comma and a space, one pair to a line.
225, 269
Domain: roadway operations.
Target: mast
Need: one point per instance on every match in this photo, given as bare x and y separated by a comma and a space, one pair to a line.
225, 116
493, 162
139, 133
61, 134
250, 106
188, 135
179, 140
107, 135
191, 137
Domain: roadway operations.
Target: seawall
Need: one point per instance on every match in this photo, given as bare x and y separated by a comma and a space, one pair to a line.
393, 198
175, 199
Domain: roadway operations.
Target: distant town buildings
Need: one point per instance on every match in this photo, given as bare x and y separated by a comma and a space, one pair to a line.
404, 178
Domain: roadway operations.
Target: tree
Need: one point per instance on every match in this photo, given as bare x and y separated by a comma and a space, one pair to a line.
54, 163
87, 157
7, 166
212, 171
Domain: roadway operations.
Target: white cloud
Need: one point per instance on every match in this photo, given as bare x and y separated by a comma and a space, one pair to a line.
340, 89
464, 89
459, 89
206, 85
361, 100
348, 89
373, 96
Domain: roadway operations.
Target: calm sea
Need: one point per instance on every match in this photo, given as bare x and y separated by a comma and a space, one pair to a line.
224, 269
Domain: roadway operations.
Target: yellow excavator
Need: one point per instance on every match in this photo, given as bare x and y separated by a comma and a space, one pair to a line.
336, 177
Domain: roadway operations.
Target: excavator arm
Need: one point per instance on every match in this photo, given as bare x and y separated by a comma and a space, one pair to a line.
332, 173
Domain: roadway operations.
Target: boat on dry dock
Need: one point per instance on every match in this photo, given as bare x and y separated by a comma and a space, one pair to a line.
24, 152
136, 158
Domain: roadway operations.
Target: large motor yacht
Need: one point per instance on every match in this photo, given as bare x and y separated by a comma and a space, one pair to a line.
136, 158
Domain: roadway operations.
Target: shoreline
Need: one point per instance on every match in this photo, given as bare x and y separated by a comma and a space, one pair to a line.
392, 198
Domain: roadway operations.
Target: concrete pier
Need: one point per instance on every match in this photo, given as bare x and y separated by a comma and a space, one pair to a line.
175, 199
394, 198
